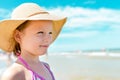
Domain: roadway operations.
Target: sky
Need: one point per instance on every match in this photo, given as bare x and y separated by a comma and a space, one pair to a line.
91, 24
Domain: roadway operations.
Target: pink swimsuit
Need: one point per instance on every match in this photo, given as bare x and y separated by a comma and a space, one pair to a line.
35, 76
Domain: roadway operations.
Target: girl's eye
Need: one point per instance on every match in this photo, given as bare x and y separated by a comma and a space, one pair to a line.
40, 32
50, 32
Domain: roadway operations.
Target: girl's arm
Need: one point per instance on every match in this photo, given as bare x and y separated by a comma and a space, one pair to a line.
13, 73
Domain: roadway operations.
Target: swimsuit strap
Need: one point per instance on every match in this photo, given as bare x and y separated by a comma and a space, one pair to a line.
49, 71
28, 67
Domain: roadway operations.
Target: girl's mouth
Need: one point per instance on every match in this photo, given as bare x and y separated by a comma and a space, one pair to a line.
44, 46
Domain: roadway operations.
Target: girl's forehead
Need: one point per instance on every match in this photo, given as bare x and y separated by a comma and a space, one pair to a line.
39, 25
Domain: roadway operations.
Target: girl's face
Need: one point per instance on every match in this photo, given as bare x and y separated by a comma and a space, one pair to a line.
36, 37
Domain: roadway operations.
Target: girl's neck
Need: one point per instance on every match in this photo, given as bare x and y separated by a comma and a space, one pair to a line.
29, 58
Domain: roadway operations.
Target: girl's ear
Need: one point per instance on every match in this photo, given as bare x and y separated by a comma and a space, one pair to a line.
17, 36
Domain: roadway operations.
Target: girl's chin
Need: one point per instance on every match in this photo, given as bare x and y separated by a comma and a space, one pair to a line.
43, 52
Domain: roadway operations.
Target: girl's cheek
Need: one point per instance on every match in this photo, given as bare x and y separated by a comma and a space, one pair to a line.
51, 38
39, 39
39, 36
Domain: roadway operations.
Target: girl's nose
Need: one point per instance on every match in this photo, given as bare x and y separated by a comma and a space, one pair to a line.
48, 38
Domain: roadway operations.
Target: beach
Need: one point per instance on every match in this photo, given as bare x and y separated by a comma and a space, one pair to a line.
72, 66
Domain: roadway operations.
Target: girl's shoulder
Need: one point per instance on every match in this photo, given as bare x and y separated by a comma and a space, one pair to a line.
14, 72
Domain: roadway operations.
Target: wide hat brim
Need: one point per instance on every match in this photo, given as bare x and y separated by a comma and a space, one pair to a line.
7, 28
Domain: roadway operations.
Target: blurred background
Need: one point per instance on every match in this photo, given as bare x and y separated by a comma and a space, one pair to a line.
88, 47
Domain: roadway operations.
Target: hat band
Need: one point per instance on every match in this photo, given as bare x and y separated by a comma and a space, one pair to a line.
38, 13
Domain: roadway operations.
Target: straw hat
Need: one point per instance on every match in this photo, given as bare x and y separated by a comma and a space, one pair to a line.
24, 12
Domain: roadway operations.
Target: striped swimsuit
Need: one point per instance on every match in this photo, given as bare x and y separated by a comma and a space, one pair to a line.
35, 76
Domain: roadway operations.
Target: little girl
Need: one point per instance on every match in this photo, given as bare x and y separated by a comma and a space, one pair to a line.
28, 34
